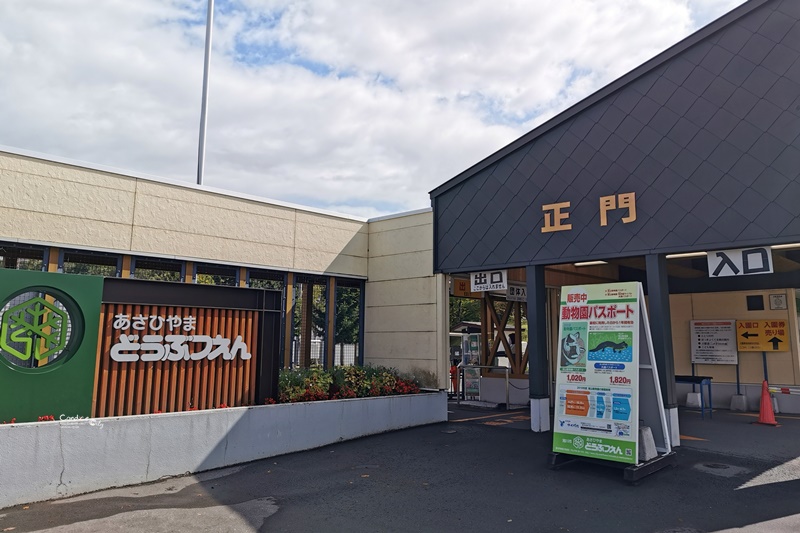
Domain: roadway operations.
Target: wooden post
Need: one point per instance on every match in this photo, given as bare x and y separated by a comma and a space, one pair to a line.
52, 259
126, 266
189, 278
287, 344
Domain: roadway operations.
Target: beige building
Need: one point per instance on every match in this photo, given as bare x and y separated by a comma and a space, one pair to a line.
56, 215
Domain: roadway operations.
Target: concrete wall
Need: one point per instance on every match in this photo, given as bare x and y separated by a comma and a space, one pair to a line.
48, 460
407, 305
64, 205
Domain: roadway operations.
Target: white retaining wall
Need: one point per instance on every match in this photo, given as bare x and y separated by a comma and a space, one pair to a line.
48, 460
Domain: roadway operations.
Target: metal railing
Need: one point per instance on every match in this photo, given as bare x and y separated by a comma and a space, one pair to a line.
463, 391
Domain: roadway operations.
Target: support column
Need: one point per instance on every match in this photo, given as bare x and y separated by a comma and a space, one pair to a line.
53, 259
288, 334
189, 274
330, 330
307, 302
661, 331
126, 266
537, 349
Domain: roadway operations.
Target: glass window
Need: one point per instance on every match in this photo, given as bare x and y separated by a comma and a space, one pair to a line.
348, 323
266, 279
157, 269
206, 274
309, 320
91, 263
22, 257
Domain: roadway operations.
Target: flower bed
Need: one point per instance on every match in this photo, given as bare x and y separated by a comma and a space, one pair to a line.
316, 383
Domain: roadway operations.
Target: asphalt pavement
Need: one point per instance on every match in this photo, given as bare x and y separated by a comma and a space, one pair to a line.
482, 471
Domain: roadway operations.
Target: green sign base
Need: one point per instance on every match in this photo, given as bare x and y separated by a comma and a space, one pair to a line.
595, 447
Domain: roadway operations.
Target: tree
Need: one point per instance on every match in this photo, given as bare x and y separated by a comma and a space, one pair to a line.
464, 310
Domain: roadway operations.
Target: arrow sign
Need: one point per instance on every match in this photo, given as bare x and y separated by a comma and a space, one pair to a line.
747, 335
775, 342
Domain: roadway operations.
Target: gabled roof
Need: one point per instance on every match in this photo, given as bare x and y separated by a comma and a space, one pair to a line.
696, 150
614, 86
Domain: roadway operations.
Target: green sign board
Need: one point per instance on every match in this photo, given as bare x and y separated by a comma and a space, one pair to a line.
48, 344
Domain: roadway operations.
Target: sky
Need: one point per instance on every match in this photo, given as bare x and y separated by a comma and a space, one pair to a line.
353, 106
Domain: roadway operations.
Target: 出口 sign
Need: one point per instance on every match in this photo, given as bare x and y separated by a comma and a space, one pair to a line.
494, 280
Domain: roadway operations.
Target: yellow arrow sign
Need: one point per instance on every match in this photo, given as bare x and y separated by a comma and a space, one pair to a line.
762, 336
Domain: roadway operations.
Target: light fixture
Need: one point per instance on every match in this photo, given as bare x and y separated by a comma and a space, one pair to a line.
690, 254
590, 263
785, 246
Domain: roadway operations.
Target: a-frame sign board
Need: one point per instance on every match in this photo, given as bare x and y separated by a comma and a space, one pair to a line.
607, 380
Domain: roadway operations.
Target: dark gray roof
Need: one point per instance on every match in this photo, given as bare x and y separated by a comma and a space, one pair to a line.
705, 134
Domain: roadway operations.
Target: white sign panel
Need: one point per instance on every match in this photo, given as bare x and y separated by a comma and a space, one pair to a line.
714, 342
740, 262
493, 280
517, 292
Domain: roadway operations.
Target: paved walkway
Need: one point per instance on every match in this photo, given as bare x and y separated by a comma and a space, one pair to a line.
484, 470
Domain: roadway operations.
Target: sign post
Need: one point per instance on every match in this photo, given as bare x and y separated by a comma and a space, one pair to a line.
607, 380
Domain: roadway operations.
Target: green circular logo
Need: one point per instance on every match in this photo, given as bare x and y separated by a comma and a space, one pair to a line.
39, 326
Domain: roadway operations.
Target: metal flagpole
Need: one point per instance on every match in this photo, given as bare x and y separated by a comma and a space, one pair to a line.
201, 149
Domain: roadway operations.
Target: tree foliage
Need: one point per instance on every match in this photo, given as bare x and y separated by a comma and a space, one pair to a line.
464, 310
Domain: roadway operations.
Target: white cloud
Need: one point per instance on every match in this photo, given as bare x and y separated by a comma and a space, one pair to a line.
358, 106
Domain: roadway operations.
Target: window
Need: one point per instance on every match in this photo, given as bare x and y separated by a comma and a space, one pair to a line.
216, 275
157, 269
309, 320
265, 279
347, 332
21, 257
91, 263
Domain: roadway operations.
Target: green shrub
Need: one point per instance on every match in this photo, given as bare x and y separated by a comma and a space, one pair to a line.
316, 383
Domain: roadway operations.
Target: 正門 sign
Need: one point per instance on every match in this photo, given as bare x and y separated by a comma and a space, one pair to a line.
597, 381
714, 342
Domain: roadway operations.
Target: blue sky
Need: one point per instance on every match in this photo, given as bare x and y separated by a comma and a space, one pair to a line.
351, 106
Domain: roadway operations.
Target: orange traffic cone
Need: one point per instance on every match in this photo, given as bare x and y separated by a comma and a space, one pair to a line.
766, 415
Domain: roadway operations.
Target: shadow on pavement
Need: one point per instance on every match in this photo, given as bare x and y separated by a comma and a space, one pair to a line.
468, 474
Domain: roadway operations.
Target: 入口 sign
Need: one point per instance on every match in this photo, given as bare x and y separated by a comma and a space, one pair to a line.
740, 262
